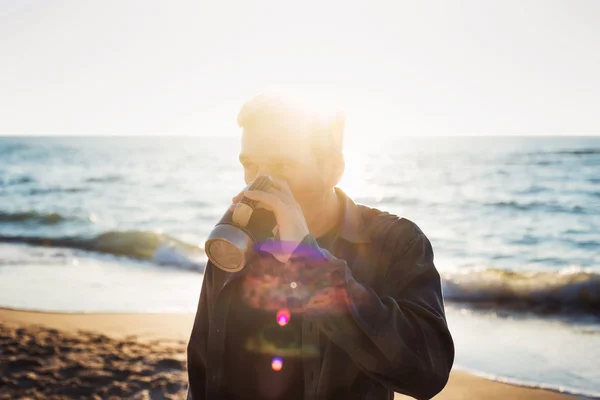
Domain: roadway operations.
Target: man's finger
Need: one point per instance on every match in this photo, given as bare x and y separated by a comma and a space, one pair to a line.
237, 197
240, 196
281, 194
270, 201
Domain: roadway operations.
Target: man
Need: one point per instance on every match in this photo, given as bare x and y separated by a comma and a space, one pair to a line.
344, 303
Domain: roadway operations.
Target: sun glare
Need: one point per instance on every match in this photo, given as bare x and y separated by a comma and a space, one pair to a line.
283, 317
354, 180
277, 363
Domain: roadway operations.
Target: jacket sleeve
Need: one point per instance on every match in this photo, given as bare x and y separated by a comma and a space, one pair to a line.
398, 337
197, 348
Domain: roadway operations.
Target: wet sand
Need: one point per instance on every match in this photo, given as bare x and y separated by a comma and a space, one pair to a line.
140, 356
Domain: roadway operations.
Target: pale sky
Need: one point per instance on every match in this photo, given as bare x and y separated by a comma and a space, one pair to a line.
397, 67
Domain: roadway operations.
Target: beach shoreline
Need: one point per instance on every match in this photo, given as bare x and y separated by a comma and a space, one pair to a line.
128, 337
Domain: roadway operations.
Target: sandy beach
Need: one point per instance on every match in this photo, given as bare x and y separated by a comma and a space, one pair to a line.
139, 356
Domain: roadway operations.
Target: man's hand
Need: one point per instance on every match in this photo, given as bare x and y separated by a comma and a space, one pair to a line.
291, 225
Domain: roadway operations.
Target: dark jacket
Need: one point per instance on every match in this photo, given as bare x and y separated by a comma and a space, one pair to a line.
390, 334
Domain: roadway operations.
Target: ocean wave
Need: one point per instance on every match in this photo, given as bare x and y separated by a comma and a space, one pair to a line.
11, 181
42, 191
534, 189
552, 387
143, 245
570, 291
32, 216
6, 149
581, 152
105, 179
536, 205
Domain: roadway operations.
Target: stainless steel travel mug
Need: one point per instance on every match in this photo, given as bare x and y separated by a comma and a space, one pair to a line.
232, 242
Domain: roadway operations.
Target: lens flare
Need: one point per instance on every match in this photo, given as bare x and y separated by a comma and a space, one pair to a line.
277, 363
283, 317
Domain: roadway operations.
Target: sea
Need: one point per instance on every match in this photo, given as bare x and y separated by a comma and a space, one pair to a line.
118, 224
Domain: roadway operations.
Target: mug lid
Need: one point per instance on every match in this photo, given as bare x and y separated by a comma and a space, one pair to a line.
229, 247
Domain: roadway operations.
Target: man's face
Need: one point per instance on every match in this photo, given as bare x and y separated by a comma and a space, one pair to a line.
286, 155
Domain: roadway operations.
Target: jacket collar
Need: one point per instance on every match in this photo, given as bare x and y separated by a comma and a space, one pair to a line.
353, 229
